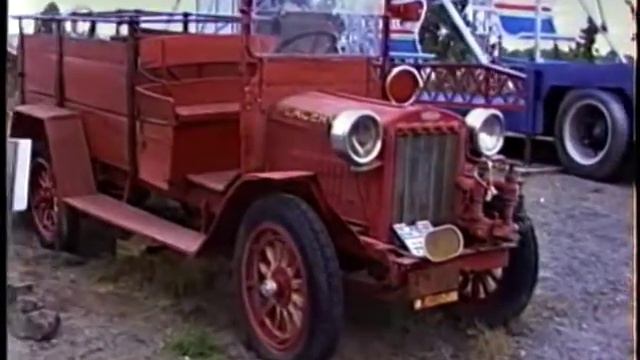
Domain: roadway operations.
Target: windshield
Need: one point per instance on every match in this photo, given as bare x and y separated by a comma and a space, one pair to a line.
319, 27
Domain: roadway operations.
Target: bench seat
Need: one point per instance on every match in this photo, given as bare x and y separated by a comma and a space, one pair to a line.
206, 112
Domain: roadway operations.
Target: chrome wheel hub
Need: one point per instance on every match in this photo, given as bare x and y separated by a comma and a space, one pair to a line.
587, 132
268, 288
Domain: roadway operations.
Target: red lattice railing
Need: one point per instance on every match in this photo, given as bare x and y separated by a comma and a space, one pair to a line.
464, 86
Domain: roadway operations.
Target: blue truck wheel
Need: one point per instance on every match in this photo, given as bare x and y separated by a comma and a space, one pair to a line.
592, 133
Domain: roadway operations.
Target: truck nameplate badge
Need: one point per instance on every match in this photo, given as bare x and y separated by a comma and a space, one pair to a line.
413, 235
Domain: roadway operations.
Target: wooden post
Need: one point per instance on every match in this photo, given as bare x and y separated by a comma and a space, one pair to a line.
12, 150
384, 51
59, 90
538, 27
21, 74
132, 72
185, 22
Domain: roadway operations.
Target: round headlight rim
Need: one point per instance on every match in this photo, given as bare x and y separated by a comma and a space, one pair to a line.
340, 131
394, 72
474, 121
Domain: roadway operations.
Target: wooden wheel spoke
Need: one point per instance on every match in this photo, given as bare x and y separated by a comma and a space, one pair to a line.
49, 217
267, 306
297, 299
475, 287
296, 315
284, 258
483, 280
493, 276
43, 180
269, 251
464, 282
278, 253
264, 269
479, 285
278, 321
287, 321
296, 284
271, 237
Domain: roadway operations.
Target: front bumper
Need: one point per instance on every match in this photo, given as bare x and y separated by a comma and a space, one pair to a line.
487, 223
402, 275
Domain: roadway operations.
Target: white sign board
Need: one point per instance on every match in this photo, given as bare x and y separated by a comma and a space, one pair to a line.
18, 166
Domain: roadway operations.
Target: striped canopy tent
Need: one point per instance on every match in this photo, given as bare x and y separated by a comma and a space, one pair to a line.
404, 33
517, 20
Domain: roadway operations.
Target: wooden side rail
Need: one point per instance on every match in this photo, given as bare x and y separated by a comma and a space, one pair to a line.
197, 49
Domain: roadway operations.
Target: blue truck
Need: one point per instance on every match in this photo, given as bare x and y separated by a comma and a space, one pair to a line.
587, 109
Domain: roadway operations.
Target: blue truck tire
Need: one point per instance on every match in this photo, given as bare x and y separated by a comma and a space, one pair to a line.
593, 132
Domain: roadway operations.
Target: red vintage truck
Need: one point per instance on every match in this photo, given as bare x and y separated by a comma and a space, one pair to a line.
288, 156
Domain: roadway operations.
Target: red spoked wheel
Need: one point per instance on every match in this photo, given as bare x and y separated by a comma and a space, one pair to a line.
497, 296
288, 281
44, 202
275, 292
54, 225
478, 285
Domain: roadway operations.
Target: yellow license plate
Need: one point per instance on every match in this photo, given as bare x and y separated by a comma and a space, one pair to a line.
435, 300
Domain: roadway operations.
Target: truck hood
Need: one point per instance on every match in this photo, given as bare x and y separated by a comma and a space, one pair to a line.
324, 106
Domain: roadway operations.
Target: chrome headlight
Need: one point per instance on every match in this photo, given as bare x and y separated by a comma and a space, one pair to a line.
356, 135
487, 127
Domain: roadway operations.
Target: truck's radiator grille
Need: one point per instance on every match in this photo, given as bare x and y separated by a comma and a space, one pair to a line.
425, 173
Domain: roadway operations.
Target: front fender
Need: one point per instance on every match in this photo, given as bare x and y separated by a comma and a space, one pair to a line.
250, 187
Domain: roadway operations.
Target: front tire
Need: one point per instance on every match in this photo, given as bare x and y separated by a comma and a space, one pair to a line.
592, 133
495, 297
288, 282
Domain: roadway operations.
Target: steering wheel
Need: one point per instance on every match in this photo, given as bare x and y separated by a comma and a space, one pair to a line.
331, 46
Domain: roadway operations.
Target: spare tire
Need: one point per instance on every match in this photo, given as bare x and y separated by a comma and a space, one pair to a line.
592, 132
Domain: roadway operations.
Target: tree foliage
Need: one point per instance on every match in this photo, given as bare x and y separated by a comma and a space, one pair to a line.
588, 36
441, 37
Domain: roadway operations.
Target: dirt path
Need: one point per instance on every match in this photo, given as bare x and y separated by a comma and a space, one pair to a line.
581, 310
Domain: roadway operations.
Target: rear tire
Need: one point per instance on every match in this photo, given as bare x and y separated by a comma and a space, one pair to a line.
55, 224
592, 133
287, 280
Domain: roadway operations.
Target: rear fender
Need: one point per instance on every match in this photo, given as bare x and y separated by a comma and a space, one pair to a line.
58, 133
223, 231
25, 126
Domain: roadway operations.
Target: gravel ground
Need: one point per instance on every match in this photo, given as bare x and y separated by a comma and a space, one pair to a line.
582, 308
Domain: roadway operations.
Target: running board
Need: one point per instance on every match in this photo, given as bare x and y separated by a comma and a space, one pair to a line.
132, 219
532, 137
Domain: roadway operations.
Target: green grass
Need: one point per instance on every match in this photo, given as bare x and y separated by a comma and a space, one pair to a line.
194, 343
490, 344
175, 276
